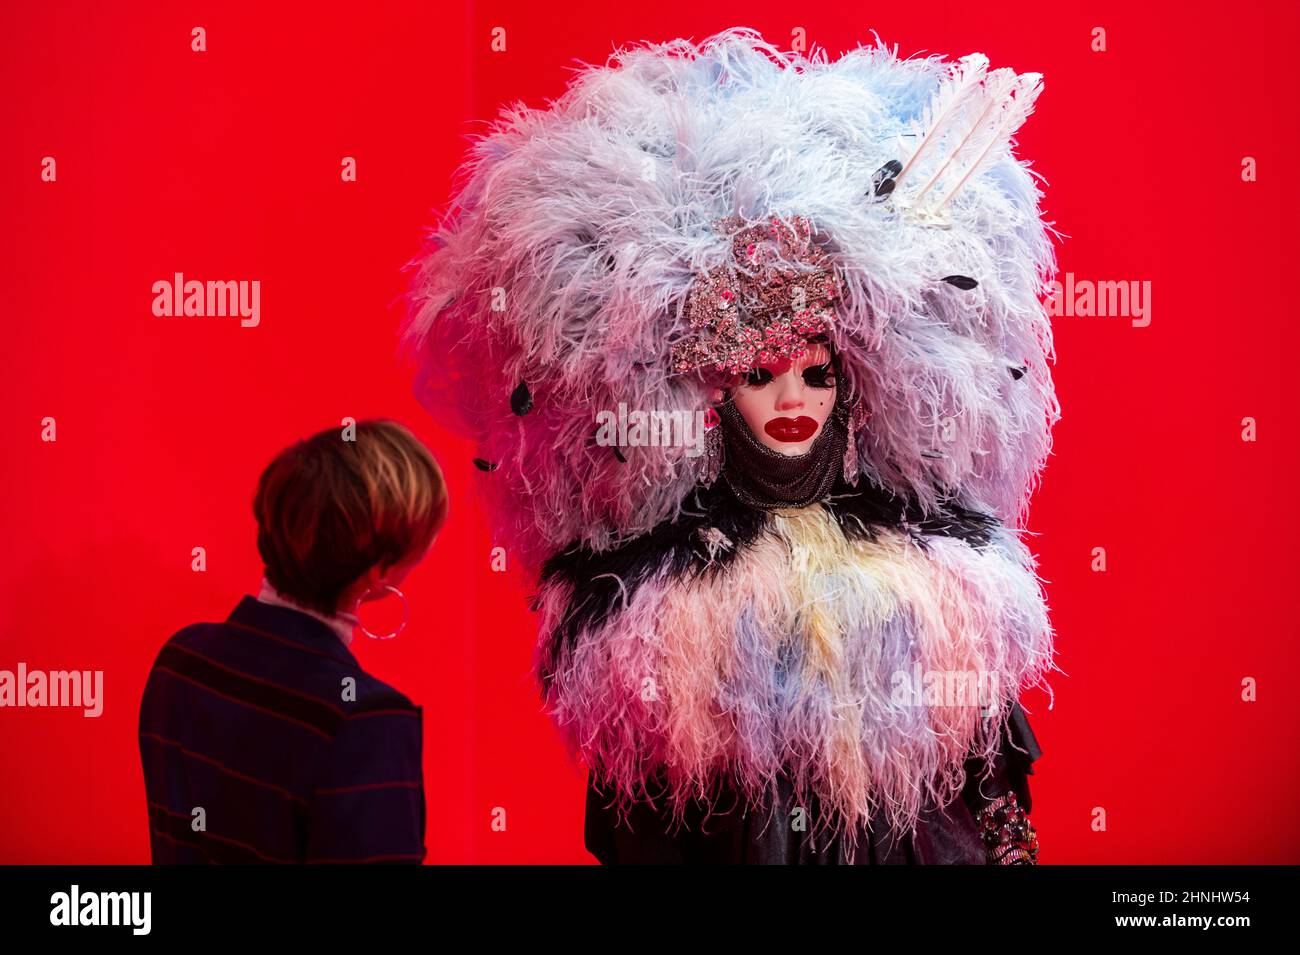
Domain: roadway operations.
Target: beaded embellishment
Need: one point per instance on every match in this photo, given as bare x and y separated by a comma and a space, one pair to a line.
1007, 833
777, 291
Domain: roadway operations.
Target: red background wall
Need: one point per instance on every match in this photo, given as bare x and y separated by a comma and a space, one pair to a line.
225, 164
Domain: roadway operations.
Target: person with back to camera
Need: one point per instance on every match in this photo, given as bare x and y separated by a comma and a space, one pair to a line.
261, 737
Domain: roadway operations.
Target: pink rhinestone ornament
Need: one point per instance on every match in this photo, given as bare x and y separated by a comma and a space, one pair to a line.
778, 291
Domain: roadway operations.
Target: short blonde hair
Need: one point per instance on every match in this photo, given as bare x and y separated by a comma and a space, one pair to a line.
329, 509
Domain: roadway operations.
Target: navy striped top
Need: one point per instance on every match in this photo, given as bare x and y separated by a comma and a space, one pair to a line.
263, 740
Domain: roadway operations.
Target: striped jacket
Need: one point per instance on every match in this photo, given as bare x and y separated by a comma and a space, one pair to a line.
263, 740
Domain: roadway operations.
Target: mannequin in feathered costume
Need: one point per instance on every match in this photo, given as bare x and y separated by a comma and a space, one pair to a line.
807, 643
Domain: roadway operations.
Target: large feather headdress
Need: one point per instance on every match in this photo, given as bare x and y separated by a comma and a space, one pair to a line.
554, 286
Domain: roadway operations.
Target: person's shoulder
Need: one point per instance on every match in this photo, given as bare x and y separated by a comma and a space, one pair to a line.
333, 676
373, 695
194, 634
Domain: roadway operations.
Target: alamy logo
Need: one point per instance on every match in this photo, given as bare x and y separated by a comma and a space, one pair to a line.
212, 298
75, 688
651, 429
946, 688
102, 908
1107, 299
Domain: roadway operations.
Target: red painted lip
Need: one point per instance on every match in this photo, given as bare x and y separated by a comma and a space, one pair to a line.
792, 430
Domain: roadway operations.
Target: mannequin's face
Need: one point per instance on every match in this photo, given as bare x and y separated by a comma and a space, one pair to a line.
786, 404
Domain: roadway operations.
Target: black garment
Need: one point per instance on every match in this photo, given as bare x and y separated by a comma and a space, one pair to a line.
763, 836
249, 721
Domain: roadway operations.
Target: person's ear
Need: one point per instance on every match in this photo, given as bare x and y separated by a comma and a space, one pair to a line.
716, 396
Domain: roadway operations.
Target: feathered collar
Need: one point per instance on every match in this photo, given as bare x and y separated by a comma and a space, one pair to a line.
863, 648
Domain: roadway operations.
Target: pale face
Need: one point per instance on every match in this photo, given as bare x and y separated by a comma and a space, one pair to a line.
786, 404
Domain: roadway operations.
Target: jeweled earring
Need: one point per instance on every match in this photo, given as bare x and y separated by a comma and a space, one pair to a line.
857, 416
711, 466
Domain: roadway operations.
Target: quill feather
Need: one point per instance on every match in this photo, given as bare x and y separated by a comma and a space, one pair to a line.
987, 107
1015, 112
948, 102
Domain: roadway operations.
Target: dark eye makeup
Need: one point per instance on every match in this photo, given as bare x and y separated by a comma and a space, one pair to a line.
820, 376
815, 376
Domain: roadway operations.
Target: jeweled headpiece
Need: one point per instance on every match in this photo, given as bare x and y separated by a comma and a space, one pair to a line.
776, 292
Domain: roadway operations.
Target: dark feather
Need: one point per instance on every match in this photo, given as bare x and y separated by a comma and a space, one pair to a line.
521, 399
963, 282
675, 547
862, 512
485, 465
882, 180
